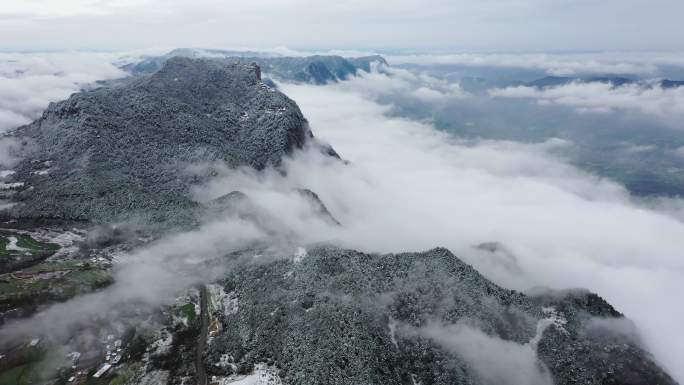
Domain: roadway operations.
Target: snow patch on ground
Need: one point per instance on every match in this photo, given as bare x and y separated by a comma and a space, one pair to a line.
393, 331
67, 240
552, 318
10, 186
6, 173
299, 255
220, 301
262, 375
64, 239
162, 345
13, 245
226, 361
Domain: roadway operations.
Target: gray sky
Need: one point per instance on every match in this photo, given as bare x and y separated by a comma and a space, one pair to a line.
367, 24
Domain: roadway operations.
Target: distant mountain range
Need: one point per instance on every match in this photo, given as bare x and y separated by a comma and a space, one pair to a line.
317, 69
615, 81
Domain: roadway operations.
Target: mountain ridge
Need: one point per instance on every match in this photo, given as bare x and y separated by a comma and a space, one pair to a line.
124, 148
318, 314
315, 69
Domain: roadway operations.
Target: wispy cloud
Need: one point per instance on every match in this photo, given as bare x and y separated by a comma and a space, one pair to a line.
409, 186
494, 361
387, 81
665, 104
555, 64
29, 82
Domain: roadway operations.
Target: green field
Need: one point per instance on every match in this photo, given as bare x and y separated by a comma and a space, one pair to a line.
22, 288
187, 311
89, 278
54, 265
15, 376
25, 242
72, 283
3, 246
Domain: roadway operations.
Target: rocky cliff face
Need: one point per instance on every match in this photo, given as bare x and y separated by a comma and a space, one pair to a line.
123, 150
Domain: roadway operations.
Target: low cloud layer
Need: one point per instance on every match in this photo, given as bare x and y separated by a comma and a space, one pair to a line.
411, 187
494, 361
620, 63
29, 82
10, 152
408, 186
388, 81
680, 151
666, 104
152, 275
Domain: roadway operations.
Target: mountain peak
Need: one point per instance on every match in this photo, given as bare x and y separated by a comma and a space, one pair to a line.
124, 148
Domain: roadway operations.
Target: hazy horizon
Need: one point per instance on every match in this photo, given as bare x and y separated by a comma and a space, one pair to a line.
540, 141
434, 25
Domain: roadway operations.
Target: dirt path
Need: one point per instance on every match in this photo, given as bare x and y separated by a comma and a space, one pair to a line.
202, 340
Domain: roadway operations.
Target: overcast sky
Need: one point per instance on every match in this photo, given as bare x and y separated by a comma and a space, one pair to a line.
532, 25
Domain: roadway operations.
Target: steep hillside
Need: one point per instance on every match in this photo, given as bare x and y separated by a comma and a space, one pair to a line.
123, 150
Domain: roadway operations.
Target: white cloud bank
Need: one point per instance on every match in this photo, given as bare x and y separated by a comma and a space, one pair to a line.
389, 81
410, 187
494, 361
680, 151
29, 82
10, 151
554, 64
151, 276
666, 104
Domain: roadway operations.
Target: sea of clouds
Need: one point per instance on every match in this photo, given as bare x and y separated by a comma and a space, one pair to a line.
407, 186
557, 64
666, 104
411, 187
